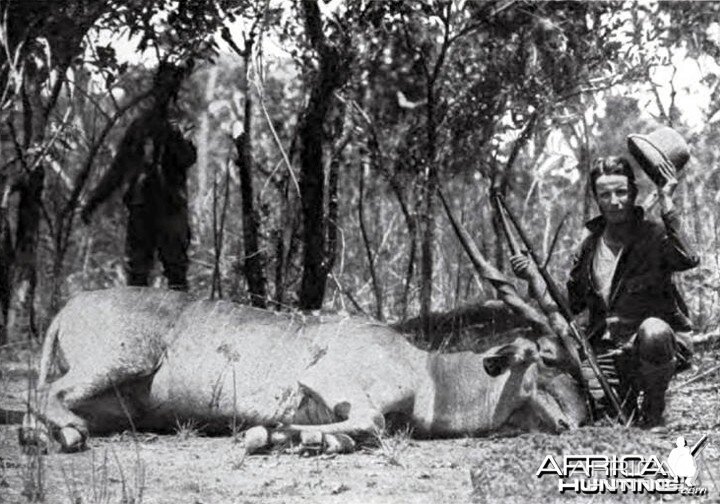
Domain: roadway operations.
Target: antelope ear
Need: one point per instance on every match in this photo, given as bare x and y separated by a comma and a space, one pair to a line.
497, 363
549, 351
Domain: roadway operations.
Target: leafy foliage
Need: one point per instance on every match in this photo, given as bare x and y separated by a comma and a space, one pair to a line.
515, 95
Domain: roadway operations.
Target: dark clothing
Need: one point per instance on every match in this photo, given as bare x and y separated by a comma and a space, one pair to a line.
642, 331
159, 178
646, 363
168, 234
642, 286
155, 185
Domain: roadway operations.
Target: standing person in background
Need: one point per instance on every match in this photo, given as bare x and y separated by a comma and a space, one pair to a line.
622, 275
151, 163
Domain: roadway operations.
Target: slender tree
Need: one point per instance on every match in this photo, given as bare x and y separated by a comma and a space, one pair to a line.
333, 71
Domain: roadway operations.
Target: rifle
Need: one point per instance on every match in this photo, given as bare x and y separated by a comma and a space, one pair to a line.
504, 213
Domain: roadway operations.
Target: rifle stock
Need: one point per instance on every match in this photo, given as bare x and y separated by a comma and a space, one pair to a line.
563, 307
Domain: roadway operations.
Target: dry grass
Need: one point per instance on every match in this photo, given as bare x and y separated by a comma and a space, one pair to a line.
33, 475
392, 447
151, 469
102, 486
188, 429
108, 480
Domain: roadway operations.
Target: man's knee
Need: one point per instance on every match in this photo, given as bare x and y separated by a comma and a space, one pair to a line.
655, 341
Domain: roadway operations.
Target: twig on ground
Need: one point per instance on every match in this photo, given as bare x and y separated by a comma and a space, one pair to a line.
695, 378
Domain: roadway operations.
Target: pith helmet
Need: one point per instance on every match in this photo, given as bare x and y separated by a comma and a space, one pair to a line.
662, 144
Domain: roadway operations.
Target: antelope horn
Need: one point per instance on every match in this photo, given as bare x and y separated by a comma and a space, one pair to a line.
505, 289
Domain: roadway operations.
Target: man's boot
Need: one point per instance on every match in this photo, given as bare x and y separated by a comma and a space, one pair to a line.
654, 382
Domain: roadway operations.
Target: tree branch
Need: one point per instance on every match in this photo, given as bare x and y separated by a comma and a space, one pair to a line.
85, 170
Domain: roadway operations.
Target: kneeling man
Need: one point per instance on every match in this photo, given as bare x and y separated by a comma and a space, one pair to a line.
622, 273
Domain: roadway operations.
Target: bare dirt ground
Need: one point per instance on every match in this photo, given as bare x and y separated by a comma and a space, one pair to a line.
186, 467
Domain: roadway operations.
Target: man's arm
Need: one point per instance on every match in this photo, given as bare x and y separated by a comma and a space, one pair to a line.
126, 165
677, 252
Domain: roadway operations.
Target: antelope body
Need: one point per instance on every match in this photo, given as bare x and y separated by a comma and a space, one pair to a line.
149, 359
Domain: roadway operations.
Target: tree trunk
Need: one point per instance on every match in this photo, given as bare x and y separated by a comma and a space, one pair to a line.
312, 179
63, 25
203, 154
286, 239
428, 219
6, 260
21, 319
377, 288
459, 270
57, 278
279, 278
331, 75
408, 214
333, 212
254, 262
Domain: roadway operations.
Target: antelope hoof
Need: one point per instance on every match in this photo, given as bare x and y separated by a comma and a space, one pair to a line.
311, 442
280, 438
257, 439
72, 440
339, 443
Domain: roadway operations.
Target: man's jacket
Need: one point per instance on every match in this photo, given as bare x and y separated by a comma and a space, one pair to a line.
642, 285
160, 181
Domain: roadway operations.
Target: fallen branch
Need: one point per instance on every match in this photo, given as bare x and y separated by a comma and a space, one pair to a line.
695, 378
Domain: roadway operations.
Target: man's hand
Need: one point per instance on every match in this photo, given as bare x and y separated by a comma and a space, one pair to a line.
521, 266
667, 170
666, 191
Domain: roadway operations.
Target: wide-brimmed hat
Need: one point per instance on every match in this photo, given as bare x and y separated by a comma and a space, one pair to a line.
662, 144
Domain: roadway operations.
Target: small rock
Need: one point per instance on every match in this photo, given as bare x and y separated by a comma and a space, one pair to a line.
339, 488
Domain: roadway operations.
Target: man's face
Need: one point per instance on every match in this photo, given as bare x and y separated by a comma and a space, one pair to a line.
612, 193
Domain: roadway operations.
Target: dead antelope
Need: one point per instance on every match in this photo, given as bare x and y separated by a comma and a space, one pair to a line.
149, 358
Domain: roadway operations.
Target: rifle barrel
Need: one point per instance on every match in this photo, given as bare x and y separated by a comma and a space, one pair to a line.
512, 244
564, 308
